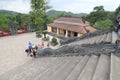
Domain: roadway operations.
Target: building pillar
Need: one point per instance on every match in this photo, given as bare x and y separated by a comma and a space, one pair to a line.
79, 35
57, 30
66, 35
114, 37
50, 29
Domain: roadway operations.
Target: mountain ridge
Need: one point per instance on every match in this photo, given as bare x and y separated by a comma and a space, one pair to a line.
59, 13
7, 12
50, 13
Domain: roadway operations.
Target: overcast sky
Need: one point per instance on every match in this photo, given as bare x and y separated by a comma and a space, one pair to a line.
75, 6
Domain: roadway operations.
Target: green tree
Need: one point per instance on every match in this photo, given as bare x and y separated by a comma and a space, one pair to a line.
105, 24
25, 19
98, 14
99, 8
4, 21
18, 19
38, 13
111, 16
117, 12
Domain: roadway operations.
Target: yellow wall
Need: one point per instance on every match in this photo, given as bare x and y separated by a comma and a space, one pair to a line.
71, 34
61, 31
80, 34
48, 28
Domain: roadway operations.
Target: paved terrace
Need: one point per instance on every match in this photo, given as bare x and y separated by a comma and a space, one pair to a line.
12, 50
103, 66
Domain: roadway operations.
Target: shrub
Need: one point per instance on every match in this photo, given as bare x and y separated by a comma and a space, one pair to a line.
54, 40
104, 24
38, 34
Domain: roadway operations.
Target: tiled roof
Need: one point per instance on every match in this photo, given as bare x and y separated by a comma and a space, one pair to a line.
67, 19
90, 28
71, 24
74, 28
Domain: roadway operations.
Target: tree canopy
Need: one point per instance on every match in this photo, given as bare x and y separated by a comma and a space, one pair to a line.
117, 12
100, 18
38, 16
38, 13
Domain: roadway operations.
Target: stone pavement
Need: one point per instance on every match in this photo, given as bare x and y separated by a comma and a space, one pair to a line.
82, 67
12, 50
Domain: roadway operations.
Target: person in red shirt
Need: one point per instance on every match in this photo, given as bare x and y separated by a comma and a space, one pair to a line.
42, 44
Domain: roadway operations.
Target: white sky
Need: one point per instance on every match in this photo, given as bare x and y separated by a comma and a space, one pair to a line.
75, 6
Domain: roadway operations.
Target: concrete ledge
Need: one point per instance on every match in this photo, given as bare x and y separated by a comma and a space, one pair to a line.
115, 68
103, 68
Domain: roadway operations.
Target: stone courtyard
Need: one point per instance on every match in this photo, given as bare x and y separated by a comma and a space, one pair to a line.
91, 58
12, 50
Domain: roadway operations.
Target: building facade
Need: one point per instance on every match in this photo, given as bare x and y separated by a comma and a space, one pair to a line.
69, 27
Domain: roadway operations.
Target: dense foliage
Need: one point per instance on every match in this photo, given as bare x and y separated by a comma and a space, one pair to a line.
54, 40
40, 17
100, 18
4, 21
103, 24
38, 13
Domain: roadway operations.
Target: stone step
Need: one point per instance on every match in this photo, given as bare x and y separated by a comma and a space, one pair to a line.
94, 39
90, 40
32, 75
15, 71
65, 70
30, 70
98, 39
50, 72
102, 71
29, 66
104, 38
52, 69
88, 71
114, 37
115, 68
78, 69
109, 38
101, 38
87, 41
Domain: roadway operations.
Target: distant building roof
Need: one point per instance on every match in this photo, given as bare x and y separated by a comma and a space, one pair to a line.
74, 28
67, 19
72, 24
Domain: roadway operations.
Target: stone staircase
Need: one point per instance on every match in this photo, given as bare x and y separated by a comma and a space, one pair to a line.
92, 67
115, 68
81, 67
103, 38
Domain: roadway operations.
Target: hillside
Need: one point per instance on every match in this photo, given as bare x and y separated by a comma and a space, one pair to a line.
6, 12
58, 13
50, 13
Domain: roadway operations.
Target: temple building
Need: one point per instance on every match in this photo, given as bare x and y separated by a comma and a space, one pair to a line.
69, 27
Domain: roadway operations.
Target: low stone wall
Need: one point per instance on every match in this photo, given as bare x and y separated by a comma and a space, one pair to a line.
85, 49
